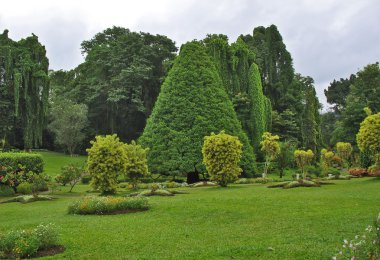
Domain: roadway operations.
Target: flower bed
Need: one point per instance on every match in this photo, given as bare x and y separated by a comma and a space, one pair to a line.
28, 243
92, 205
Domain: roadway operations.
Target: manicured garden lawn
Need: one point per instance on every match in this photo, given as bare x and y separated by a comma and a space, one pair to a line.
54, 161
241, 221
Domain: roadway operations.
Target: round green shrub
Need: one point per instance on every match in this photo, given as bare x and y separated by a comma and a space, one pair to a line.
221, 156
24, 188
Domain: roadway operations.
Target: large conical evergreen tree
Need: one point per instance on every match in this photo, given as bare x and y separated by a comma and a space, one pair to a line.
192, 104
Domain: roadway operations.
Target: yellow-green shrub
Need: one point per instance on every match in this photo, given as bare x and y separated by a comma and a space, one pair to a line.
106, 161
344, 150
303, 159
221, 156
136, 164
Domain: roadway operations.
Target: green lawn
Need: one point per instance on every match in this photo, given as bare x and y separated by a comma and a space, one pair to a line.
54, 161
240, 222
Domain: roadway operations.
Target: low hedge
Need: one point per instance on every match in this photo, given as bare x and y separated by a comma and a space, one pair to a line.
31, 161
107, 205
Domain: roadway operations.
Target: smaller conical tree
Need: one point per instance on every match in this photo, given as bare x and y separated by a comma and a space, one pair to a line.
192, 104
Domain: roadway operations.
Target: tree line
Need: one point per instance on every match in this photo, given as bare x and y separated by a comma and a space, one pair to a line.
116, 88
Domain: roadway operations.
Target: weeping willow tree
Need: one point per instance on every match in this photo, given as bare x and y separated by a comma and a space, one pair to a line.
242, 80
24, 91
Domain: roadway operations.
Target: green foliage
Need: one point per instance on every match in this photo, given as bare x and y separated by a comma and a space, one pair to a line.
24, 90
275, 64
303, 159
92, 205
338, 91
70, 174
271, 148
119, 80
368, 137
25, 243
352, 107
24, 188
38, 181
221, 156
285, 124
285, 156
192, 104
310, 126
242, 82
136, 166
344, 150
328, 126
6, 191
327, 158
68, 121
106, 161
369, 134
29, 161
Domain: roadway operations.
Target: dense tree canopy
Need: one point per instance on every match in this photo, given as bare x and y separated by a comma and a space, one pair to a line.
349, 108
274, 61
24, 90
119, 80
241, 78
192, 104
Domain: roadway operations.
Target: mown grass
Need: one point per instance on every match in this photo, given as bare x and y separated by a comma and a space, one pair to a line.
54, 161
241, 222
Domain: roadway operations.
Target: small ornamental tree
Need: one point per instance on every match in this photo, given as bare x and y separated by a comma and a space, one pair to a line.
106, 161
303, 159
271, 148
327, 158
136, 165
70, 174
221, 156
368, 137
344, 150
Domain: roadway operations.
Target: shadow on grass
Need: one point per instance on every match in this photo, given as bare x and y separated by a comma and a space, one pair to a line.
373, 179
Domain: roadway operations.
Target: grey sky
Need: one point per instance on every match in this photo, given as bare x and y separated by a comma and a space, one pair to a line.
327, 39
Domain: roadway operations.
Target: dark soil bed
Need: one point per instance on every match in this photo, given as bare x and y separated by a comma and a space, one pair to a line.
125, 211
55, 250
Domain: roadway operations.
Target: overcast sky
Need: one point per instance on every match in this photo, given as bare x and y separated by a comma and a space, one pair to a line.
328, 39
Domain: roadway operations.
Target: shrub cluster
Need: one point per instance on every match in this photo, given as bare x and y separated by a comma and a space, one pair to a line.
29, 161
107, 205
374, 173
359, 172
26, 243
6, 191
108, 158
